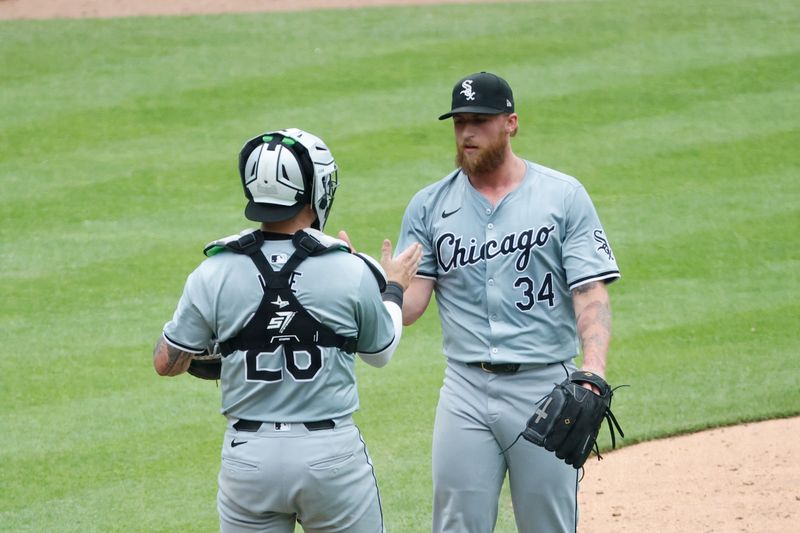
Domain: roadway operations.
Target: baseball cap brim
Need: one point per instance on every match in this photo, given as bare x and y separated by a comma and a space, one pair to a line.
271, 213
473, 109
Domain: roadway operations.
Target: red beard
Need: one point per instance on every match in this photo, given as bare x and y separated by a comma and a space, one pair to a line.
484, 160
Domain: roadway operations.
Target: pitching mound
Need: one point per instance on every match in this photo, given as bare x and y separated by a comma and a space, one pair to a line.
725, 480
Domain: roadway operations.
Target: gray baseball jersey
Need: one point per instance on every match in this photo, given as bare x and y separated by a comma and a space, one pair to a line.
506, 270
336, 288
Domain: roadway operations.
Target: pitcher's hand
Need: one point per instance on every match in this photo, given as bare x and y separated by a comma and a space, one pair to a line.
403, 268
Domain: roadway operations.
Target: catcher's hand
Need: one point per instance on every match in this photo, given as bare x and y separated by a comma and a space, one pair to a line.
568, 419
207, 365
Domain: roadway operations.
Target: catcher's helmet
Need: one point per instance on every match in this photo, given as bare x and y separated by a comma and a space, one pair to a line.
282, 171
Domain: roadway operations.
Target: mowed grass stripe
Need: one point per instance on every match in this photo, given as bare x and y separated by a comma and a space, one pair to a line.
729, 181
226, 51
738, 356
285, 72
662, 93
729, 117
123, 436
127, 501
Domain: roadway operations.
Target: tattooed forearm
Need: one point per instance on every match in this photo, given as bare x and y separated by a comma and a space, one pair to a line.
168, 360
596, 312
175, 358
593, 316
594, 327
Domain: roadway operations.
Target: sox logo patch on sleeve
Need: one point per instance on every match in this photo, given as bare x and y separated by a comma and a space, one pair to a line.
600, 238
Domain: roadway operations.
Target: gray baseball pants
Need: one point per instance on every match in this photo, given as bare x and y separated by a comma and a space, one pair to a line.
281, 474
478, 415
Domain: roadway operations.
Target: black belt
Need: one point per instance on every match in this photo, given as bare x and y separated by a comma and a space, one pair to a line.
501, 368
253, 425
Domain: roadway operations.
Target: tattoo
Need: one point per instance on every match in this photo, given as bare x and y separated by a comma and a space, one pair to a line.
595, 314
173, 360
602, 314
175, 356
593, 323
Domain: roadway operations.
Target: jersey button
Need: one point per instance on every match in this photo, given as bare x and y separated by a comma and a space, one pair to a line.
490, 226
493, 318
490, 282
494, 350
488, 211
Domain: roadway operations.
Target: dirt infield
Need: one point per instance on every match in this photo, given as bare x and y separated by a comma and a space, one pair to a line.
725, 480
735, 479
39, 9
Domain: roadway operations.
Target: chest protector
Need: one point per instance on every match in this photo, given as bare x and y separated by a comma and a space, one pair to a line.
280, 319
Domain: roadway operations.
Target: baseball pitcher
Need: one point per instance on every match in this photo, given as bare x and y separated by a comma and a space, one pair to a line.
519, 263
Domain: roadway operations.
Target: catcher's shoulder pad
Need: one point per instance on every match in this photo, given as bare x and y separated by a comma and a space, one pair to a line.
376, 269
317, 243
240, 243
582, 376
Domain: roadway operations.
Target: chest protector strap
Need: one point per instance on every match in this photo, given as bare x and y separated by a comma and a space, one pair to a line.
280, 319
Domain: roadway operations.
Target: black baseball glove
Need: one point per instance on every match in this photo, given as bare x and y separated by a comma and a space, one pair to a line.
568, 419
207, 365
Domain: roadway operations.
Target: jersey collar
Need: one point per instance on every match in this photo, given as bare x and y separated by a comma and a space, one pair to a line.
272, 236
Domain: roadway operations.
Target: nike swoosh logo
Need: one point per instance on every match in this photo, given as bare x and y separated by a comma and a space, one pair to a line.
445, 214
234, 444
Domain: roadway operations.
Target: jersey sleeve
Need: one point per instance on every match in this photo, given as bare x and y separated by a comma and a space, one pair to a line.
375, 326
586, 252
189, 330
414, 229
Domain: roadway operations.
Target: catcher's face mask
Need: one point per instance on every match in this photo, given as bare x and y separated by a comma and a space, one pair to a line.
283, 170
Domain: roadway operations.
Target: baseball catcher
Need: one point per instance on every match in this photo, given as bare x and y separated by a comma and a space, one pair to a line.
568, 419
280, 315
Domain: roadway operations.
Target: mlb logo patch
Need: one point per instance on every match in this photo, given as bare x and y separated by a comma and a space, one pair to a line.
278, 259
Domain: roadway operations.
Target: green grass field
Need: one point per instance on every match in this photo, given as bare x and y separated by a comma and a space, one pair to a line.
118, 147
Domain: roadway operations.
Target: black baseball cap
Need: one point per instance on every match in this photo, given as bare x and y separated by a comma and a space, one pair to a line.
483, 93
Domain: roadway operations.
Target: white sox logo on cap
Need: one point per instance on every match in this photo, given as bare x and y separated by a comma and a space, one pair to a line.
468, 92
481, 93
